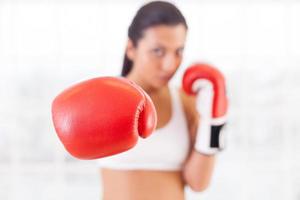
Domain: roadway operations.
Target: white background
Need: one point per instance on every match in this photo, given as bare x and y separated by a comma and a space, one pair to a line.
46, 45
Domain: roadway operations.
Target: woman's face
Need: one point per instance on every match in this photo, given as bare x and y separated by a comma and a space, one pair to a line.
158, 53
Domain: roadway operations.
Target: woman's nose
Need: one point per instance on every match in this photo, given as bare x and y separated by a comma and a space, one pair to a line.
169, 64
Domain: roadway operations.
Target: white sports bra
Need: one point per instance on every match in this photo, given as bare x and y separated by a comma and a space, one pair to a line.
166, 149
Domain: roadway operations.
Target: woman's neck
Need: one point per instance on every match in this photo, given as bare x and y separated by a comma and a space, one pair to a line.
150, 90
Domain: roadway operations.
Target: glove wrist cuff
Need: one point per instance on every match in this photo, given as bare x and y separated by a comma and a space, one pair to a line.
210, 138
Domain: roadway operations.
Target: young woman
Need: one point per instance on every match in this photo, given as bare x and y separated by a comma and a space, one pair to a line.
160, 166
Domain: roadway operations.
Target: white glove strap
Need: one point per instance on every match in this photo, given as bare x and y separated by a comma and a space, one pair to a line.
210, 139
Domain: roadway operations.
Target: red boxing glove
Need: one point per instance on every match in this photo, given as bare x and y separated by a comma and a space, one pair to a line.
102, 116
208, 84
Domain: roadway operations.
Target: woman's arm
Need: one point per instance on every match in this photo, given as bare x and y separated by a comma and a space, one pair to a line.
198, 168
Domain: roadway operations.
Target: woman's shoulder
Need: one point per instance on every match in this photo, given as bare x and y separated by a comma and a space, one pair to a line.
191, 114
188, 102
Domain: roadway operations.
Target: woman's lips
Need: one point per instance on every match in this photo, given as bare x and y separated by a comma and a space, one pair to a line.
165, 78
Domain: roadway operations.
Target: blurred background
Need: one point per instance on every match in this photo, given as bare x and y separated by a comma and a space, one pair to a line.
46, 45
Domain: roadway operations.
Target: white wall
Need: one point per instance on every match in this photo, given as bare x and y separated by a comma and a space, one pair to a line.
47, 45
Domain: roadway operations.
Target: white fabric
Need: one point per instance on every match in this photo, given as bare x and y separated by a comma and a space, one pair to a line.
166, 149
205, 95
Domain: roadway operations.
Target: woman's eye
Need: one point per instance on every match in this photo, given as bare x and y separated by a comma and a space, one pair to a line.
158, 52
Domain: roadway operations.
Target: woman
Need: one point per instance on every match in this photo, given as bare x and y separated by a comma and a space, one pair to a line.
160, 166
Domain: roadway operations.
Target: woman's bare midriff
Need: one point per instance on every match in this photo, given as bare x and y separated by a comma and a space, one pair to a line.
142, 185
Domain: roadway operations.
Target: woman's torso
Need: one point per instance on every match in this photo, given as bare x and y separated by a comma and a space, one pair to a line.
143, 184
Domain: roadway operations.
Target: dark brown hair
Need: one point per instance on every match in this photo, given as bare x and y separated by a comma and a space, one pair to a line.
151, 14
